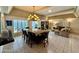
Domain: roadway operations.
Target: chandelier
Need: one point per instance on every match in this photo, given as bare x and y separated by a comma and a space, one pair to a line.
33, 16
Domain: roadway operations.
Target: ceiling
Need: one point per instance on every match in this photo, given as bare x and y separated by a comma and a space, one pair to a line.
40, 10
44, 10
30, 8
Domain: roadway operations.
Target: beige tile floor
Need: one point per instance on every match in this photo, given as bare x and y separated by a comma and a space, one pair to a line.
57, 44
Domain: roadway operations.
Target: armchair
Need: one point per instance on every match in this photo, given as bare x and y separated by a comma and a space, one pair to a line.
6, 37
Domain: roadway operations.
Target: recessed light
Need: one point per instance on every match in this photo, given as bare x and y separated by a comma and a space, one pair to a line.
49, 11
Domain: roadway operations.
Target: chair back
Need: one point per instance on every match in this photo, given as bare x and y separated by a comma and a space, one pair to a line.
26, 33
45, 34
31, 35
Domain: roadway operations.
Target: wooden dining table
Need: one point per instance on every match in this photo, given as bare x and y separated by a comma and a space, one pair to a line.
38, 31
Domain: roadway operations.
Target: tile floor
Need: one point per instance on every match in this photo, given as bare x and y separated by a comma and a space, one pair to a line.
57, 44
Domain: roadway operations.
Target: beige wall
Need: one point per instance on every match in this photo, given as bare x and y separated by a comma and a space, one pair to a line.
75, 26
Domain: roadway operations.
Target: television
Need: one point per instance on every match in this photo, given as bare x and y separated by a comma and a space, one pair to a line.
9, 22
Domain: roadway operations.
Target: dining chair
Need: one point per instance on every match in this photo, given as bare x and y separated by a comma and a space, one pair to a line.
44, 38
32, 38
26, 36
23, 34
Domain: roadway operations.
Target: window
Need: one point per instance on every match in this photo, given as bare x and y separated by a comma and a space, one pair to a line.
36, 24
15, 25
19, 25
23, 24
26, 24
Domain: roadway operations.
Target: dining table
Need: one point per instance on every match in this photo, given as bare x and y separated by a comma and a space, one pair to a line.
38, 31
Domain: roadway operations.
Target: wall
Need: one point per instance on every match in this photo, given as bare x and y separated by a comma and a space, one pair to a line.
75, 26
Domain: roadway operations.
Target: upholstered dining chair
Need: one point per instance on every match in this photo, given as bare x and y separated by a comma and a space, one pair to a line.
44, 38
24, 34
32, 38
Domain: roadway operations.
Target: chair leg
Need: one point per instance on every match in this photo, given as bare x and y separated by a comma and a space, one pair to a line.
47, 41
31, 45
24, 37
27, 40
44, 43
